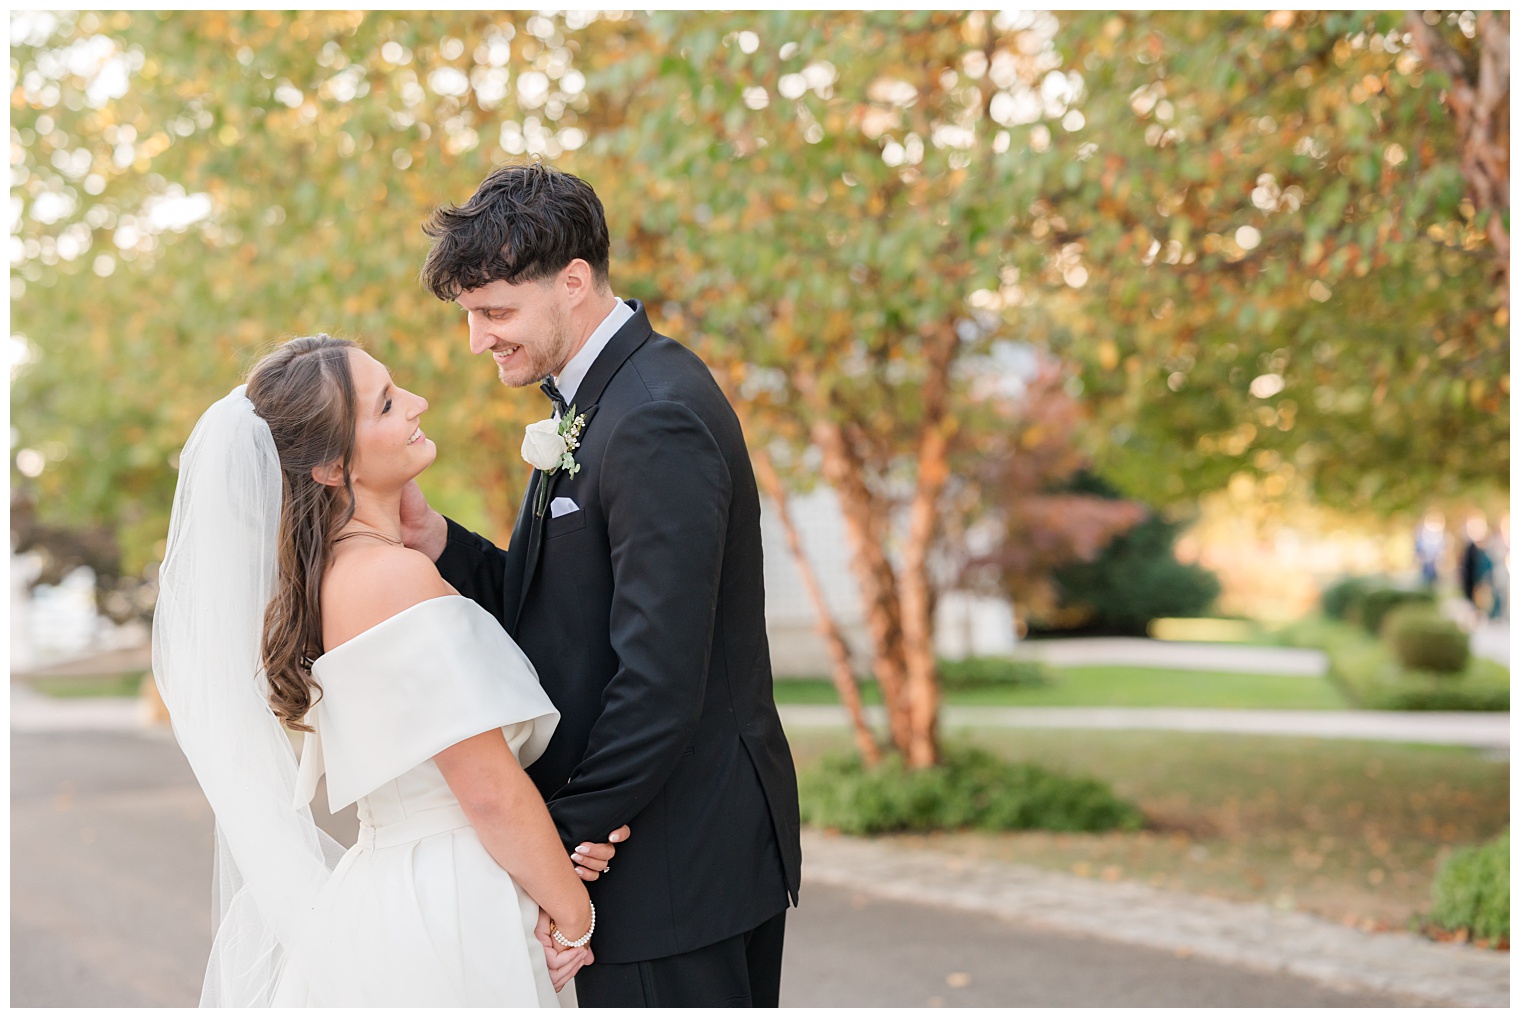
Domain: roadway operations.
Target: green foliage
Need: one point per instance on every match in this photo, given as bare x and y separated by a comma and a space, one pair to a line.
1134, 580
315, 143
1471, 891
971, 788
992, 672
1375, 604
1425, 640
1370, 676
1344, 596
1284, 277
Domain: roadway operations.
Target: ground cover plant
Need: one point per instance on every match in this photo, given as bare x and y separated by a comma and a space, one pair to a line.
970, 789
1111, 686
1471, 893
1352, 831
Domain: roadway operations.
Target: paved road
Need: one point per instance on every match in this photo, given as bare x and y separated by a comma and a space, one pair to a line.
110, 906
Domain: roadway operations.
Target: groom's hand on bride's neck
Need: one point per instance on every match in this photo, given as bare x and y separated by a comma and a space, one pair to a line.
422, 529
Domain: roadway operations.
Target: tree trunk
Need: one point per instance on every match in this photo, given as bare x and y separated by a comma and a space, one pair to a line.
922, 701
1480, 105
839, 650
866, 526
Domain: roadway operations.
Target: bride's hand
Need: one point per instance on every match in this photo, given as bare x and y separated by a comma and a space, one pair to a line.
593, 858
566, 963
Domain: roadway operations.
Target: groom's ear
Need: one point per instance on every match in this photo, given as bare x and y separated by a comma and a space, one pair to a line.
578, 280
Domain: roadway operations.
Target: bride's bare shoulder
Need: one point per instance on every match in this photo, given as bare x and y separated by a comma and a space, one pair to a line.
364, 586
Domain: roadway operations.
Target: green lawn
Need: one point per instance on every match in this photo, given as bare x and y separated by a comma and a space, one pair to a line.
1114, 686
1349, 830
114, 684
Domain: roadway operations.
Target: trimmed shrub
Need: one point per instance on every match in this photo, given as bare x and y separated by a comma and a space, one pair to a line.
1472, 891
981, 672
1378, 602
1343, 596
1438, 693
1424, 640
1369, 675
972, 788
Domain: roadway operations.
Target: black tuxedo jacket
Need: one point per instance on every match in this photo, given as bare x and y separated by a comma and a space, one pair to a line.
644, 612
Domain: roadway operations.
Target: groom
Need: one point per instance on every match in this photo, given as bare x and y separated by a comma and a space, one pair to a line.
633, 581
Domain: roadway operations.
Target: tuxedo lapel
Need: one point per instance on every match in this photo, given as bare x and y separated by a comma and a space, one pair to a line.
535, 537
622, 345
516, 556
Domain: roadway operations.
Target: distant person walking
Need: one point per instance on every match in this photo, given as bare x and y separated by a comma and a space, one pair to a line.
1498, 575
1475, 566
1430, 546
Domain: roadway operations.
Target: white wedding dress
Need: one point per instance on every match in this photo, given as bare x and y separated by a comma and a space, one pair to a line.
417, 913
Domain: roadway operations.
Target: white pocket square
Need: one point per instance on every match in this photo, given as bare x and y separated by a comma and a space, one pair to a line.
562, 505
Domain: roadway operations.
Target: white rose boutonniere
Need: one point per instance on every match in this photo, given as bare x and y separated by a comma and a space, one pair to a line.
543, 446
550, 446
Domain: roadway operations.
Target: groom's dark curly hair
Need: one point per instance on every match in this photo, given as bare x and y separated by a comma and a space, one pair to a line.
524, 223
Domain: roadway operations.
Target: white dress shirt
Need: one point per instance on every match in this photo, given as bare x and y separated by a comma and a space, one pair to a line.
574, 373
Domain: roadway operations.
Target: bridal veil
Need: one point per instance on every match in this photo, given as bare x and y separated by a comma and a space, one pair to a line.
217, 578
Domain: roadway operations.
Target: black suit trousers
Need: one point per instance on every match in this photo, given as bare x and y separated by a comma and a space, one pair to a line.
742, 971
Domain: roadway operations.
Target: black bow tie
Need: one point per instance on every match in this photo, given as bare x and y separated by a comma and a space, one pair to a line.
552, 391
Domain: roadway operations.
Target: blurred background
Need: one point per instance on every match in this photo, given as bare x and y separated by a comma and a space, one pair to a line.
1128, 391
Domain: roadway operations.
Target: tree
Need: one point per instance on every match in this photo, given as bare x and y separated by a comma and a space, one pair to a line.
195, 186
1027, 501
1272, 264
823, 198
1475, 63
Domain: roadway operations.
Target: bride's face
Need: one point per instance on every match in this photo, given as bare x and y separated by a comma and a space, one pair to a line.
389, 446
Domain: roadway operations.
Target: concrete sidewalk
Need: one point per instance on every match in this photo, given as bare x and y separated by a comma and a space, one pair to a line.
1206, 657
1445, 728
1252, 936
34, 712
1491, 640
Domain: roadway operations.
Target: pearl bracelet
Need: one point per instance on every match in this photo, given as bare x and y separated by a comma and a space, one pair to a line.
582, 941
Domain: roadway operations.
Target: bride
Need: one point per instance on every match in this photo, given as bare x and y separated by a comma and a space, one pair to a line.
287, 601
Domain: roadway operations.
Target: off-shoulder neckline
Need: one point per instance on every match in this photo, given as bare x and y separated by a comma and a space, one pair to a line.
387, 621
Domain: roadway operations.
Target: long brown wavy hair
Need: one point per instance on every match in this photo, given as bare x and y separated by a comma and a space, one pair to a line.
305, 392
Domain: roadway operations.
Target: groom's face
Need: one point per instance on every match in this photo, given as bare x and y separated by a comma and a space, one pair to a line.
524, 326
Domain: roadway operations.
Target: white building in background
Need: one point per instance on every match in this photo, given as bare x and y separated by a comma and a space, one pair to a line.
965, 625
52, 623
